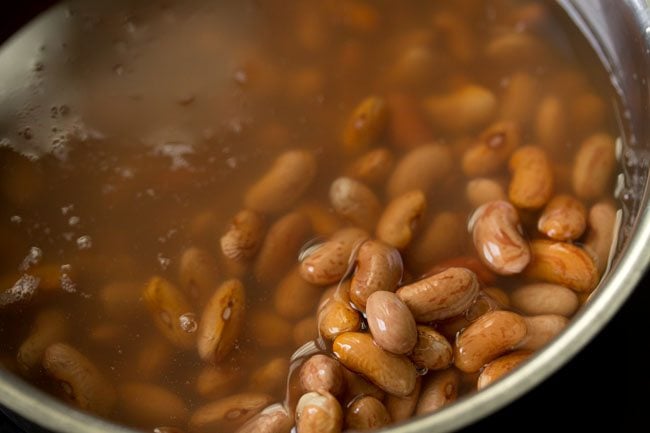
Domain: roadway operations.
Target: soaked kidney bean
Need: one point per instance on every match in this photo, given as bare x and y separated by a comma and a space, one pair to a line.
309, 216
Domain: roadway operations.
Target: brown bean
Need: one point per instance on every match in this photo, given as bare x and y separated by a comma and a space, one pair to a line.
366, 125
489, 337
485, 276
294, 298
498, 368
80, 381
466, 108
320, 372
516, 50
336, 315
203, 225
422, 168
551, 128
269, 329
244, 236
366, 413
228, 413
602, 222
198, 272
144, 405
457, 35
519, 98
283, 184
305, 83
355, 202
442, 295
407, 128
121, 300
273, 419
49, 327
432, 350
360, 17
498, 295
438, 389
587, 112
379, 268
531, 186
541, 330
324, 220
594, 167
401, 408
152, 359
280, 247
393, 373
498, 238
310, 29
319, 412
356, 386
270, 377
562, 263
564, 218
397, 224
391, 323
416, 63
483, 190
218, 381
543, 298
492, 149
441, 238
327, 263
167, 304
106, 333
373, 167
221, 321
305, 330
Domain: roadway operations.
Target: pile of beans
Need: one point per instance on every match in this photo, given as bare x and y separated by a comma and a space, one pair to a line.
459, 233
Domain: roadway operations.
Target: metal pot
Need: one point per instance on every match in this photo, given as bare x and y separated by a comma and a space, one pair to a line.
619, 33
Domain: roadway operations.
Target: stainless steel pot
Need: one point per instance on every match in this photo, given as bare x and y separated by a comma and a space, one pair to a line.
619, 32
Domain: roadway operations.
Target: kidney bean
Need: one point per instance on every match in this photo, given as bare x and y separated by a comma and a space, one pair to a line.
391, 323
440, 296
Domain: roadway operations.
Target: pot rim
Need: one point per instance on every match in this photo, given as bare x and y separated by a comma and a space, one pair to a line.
50, 413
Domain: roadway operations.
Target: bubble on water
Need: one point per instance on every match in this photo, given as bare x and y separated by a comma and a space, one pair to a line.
125, 172
67, 209
188, 322
67, 388
241, 77
163, 261
74, 220
66, 282
421, 371
23, 289
185, 99
16, 219
231, 162
166, 319
174, 144
32, 258
84, 242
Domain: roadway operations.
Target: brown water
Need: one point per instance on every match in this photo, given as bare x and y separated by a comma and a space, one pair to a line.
130, 133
